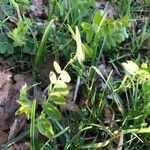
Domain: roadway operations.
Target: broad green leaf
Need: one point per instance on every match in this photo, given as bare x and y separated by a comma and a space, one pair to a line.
57, 67
131, 67
25, 101
52, 77
97, 18
65, 76
80, 52
57, 98
61, 87
89, 36
51, 111
44, 127
86, 26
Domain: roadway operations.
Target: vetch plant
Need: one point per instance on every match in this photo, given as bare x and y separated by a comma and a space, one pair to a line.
5, 46
101, 33
57, 90
18, 35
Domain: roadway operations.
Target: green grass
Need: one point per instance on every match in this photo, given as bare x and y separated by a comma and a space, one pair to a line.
85, 39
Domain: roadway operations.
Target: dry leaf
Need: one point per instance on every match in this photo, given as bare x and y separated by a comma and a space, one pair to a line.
20, 146
9, 93
3, 137
107, 115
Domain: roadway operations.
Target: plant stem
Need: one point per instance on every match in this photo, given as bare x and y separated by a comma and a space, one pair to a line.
32, 126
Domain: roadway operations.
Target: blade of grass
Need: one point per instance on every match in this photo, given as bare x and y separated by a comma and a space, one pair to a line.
39, 57
118, 134
17, 9
32, 125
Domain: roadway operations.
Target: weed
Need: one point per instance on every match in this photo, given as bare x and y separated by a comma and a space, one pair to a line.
57, 90
121, 93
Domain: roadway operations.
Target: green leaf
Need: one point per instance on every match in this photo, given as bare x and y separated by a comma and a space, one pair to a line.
52, 77
45, 127
105, 30
57, 67
88, 51
23, 3
39, 57
9, 48
118, 24
131, 67
112, 41
25, 101
111, 25
3, 38
126, 21
72, 32
144, 73
5, 46
108, 45
124, 32
61, 87
32, 124
86, 26
119, 38
23, 91
126, 18
17, 35
51, 111
89, 36
144, 66
80, 53
65, 76
22, 109
57, 98
97, 18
